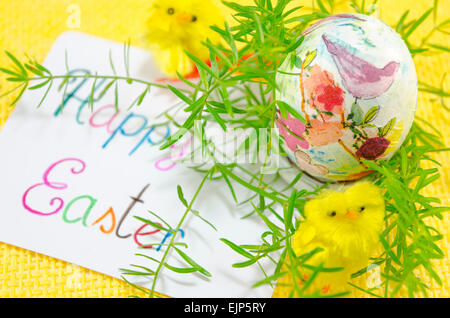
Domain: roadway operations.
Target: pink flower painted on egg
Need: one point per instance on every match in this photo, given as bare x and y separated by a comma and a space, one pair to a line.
324, 93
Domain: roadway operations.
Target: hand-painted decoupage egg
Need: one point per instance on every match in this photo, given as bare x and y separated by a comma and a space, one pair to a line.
353, 80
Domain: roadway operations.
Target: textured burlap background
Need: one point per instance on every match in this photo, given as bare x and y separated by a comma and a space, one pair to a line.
31, 26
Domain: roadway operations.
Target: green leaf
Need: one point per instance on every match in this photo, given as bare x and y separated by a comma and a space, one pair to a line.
191, 84
245, 263
9, 72
142, 96
289, 212
200, 64
181, 196
216, 116
310, 56
16, 62
39, 85
148, 257
356, 114
230, 187
298, 62
105, 89
270, 279
24, 87
259, 29
45, 94
231, 43
116, 97
322, 7
248, 185
285, 106
417, 23
275, 229
181, 270
34, 70
323, 269
388, 127
161, 219
15, 79
183, 97
41, 67
91, 95
177, 136
135, 286
219, 53
237, 248
136, 273
371, 114
294, 181
150, 272
155, 225
226, 100
439, 47
64, 83
399, 26
389, 251
197, 214
296, 44
196, 106
191, 262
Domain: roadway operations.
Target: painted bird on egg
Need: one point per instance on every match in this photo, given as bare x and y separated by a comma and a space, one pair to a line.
354, 82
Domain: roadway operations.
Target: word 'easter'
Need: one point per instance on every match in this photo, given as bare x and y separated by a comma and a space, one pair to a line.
107, 221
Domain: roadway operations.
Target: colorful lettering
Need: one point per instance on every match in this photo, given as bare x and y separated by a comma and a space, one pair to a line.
132, 125
169, 234
160, 164
92, 203
127, 211
59, 202
147, 138
83, 100
111, 213
106, 123
138, 233
121, 128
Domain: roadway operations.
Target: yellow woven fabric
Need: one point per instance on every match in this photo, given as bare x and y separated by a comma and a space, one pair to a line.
31, 27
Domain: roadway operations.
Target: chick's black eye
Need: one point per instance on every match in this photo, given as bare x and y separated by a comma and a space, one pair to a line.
362, 208
170, 11
332, 213
194, 18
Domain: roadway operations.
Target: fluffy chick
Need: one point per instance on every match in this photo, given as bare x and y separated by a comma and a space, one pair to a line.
178, 25
346, 225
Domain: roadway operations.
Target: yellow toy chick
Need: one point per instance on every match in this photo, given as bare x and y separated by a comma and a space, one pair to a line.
346, 225
178, 25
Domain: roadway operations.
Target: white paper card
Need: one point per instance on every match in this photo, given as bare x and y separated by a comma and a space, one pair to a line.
69, 178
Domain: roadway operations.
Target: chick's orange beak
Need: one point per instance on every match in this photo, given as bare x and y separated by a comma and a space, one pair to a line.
184, 17
351, 215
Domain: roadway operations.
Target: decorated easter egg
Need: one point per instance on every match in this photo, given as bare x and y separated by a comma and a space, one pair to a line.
353, 86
